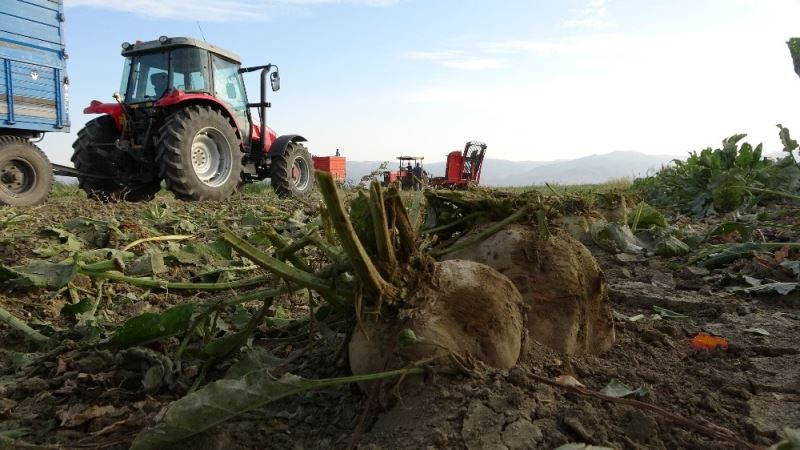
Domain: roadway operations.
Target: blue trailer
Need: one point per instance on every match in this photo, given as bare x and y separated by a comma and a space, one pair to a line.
33, 95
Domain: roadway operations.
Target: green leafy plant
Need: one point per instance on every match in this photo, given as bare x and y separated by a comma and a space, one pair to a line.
727, 179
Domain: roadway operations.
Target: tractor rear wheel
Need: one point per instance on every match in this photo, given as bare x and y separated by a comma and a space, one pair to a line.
292, 173
200, 154
95, 152
25, 173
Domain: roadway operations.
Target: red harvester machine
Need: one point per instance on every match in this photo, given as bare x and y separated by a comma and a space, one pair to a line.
463, 168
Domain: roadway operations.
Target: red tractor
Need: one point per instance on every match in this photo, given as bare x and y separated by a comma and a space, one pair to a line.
182, 116
463, 168
405, 173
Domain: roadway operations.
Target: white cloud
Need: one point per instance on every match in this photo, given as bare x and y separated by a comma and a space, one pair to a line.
210, 10
663, 94
457, 59
435, 56
594, 16
528, 46
475, 63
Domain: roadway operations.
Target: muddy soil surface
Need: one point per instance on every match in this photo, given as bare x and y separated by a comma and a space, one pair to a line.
78, 397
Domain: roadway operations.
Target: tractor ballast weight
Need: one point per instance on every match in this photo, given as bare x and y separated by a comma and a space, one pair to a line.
463, 168
182, 117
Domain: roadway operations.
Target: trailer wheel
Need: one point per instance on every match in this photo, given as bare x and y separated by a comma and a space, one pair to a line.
292, 173
200, 154
93, 152
25, 173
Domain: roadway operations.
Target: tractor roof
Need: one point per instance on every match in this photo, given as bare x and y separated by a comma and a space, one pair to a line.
151, 46
403, 158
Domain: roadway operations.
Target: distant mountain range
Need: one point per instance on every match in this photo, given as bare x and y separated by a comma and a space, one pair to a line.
500, 172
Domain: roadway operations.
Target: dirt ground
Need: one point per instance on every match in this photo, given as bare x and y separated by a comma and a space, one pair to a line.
77, 397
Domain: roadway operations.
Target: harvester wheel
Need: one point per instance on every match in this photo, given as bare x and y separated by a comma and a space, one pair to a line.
292, 173
94, 152
200, 154
25, 173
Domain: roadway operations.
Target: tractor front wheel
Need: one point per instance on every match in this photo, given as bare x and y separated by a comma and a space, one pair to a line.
95, 152
292, 173
200, 154
25, 173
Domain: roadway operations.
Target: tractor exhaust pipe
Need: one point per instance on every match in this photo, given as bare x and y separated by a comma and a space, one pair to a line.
264, 104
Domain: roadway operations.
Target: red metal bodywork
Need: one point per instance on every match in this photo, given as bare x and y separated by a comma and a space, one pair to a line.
177, 97
463, 168
335, 165
112, 109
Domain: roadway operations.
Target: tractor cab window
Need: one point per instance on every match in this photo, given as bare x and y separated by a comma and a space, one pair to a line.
189, 68
153, 74
149, 77
228, 88
228, 84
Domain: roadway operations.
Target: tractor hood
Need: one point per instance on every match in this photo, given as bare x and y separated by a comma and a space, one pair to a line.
164, 43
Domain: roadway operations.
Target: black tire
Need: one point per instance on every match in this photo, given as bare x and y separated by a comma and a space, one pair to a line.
26, 176
90, 157
292, 173
189, 139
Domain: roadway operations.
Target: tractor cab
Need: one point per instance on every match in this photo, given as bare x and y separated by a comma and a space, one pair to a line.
168, 71
405, 173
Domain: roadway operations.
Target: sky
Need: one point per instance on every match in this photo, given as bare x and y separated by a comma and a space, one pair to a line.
537, 80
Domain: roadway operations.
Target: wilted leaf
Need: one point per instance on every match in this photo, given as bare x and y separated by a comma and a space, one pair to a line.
794, 266
149, 327
67, 242
44, 274
582, 447
78, 308
249, 219
79, 414
792, 441
225, 345
669, 314
744, 230
223, 399
568, 380
253, 360
149, 264
240, 317
772, 288
759, 331
789, 144
644, 216
730, 254
616, 388
619, 238
95, 233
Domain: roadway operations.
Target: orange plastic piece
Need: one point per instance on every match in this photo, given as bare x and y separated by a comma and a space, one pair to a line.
705, 341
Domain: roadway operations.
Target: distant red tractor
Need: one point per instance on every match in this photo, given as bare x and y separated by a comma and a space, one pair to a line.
463, 168
405, 173
182, 116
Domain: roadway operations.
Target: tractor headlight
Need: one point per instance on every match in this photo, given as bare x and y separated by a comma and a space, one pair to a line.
126, 45
163, 39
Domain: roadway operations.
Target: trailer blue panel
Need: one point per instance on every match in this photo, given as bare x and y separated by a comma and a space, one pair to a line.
33, 80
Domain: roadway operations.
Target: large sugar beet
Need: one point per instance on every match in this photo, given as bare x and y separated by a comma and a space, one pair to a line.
564, 289
470, 310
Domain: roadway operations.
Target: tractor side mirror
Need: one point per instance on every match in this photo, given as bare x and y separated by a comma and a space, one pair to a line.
275, 80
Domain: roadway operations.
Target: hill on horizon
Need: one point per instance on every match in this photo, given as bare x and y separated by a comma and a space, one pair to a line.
591, 169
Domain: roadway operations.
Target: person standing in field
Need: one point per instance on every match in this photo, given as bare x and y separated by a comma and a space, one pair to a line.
417, 172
